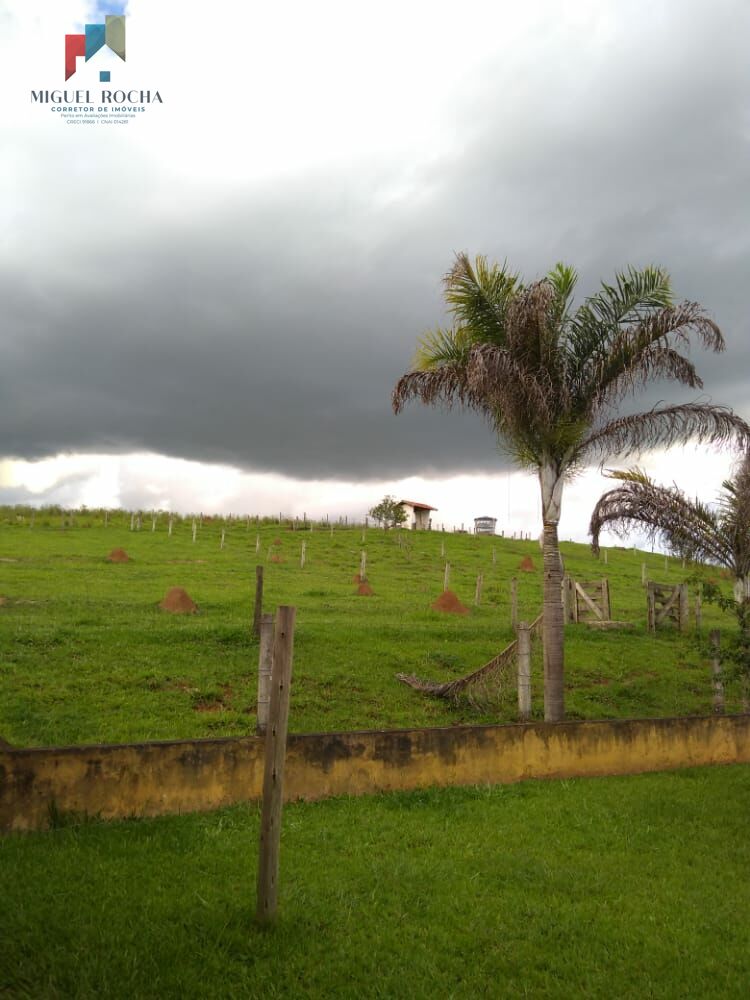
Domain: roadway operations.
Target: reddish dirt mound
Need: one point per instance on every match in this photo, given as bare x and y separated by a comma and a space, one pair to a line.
450, 604
118, 555
276, 559
3, 599
357, 578
526, 565
364, 589
178, 602
276, 541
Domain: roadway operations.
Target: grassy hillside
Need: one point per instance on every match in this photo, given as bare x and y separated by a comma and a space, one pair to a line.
87, 656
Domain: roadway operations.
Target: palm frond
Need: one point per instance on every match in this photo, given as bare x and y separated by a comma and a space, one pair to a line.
444, 385
494, 373
563, 279
599, 321
686, 527
439, 347
664, 426
533, 333
734, 515
478, 295
645, 351
634, 293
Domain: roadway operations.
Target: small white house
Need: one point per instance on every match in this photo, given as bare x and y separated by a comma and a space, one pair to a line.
417, 515
484, 525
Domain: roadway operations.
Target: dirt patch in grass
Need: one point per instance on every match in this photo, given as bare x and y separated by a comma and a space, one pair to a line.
213, 701
118, 556
178, 602
449, 604
364, 589
208, 706
276, 541
277, 559
526, 565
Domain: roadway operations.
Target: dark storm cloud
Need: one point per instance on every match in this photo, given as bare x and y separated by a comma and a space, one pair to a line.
268, 333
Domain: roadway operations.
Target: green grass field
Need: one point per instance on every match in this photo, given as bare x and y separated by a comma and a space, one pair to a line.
86, 656
620, 887
626, 887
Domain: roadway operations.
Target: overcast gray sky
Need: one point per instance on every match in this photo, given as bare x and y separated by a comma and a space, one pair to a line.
240, 275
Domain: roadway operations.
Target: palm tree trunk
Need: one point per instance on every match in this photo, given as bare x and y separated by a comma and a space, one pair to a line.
743, 617
552, 627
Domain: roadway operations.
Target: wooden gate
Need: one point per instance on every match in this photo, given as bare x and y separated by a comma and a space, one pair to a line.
667, 602
585, 602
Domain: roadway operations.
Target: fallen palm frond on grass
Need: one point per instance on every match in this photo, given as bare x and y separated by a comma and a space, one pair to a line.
453, 689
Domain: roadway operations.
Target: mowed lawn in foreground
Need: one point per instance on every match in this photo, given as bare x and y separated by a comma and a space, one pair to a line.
619, 887
86, 655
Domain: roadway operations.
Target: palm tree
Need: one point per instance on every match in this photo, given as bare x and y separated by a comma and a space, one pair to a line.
719, 535
548, 378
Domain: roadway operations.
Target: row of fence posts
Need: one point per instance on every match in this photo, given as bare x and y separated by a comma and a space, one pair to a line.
275, 657
523, 659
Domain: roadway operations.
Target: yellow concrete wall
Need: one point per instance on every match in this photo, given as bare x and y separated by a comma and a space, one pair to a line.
150, 779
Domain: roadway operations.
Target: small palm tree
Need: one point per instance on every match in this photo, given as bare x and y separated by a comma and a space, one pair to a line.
719, 535
548, 378
688, 528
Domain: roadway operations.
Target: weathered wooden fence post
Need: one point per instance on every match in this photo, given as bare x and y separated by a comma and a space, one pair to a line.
714, 637
265, 665
273, 771
302, 555
698, 609
478, 591
523, 658
447, 576
566, 597
258, 610
651, 607
362, 566
684, 607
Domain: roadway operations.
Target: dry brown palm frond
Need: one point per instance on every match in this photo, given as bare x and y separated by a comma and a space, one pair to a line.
734, 514
494, 373
664, 426
629, 358
531, 332
493, 668
616, 381
687, 527
445, 385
